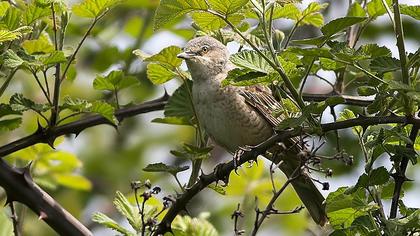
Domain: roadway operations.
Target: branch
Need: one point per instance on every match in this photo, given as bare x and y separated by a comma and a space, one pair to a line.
349, 100
48, 135
221, 171
20, 187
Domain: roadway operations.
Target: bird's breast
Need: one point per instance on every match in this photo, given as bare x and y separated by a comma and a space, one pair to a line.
226, 117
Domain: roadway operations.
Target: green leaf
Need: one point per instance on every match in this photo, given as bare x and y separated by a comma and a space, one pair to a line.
171, 9
312, 52
227, 7
104, 109
159, 74
93, 8
317, 41
53, 58
366, 91
378, 176
374, 51
413, 11
12, 19
347, 115
217, 188
187, 226
10, 124
291, 123
288, 11
246, 77
179, 104
6, 35
251, 60
34, 12
385, 64
312, 16
340, 24
77, 105
168, 56
111, 224
41, 45
126, 209
375, 8
357, 10
161, 167
73, 181
12, 60
4, 5
191, 152
330, 64
21, 104
209, 22
114, 81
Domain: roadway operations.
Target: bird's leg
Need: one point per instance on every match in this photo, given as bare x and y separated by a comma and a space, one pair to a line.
238, 154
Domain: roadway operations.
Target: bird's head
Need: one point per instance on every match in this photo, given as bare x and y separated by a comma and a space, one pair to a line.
205, 56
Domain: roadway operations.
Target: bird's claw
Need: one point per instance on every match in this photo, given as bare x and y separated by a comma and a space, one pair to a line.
238, 154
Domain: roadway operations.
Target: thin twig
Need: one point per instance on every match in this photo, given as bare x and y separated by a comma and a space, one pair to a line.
15, 220
42, 87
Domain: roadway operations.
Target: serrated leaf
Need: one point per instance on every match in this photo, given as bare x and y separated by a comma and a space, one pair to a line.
356, 10
111, 224
21, 104
330, 64
246, 77
347, 115
288, 11
161, 167
41, 45
312, 16
186, 226
209, 22
312, 52
172, 120
227, 7
114, 81
375, 8
53, 58
93, 8
77, 104
6, 35
12, 19
12, 60
317, 41
179, 104
334, 101
4, 5
374, 51
159, 74
126, 209
167, 56
385, 64
10, 124
251, 60
171, 9
73, 181
413, 11
340, 24
104, 109
34, 12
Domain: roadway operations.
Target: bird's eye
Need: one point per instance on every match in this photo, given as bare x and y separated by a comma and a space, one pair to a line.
205, 49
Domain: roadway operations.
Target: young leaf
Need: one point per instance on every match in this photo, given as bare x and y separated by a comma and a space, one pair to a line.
251, 60
168, 57
186, 226
356, 10
385, 64
53, 58
6, 35
171, 9
227, 7
12, 60
374, 51
159, 74
104, 109
111, 224
10, 124
93, 8
413, 11
375, 8
115, 80
21, 104
34, 12
340, 24
73, 181
312, 16
42, 45
12, 19
4, 5
126, 209
209, 22
288, 11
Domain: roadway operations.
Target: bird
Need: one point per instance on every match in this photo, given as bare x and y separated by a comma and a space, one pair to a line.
235, 117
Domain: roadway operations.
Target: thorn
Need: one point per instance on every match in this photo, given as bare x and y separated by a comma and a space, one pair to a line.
50, 142
42, 216
165, 96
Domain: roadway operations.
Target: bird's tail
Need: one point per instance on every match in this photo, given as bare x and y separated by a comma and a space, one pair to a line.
305, 188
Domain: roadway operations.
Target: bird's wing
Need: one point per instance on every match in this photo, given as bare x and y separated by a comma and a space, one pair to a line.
260, 98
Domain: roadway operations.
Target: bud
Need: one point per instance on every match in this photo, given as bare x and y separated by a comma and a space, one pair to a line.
278, 37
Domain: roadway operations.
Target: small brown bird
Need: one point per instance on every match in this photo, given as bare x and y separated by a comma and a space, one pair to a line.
236, 117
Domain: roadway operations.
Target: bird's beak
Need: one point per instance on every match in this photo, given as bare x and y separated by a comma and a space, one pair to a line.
186, 55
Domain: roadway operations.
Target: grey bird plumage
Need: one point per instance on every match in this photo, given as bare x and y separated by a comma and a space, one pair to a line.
237, 116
